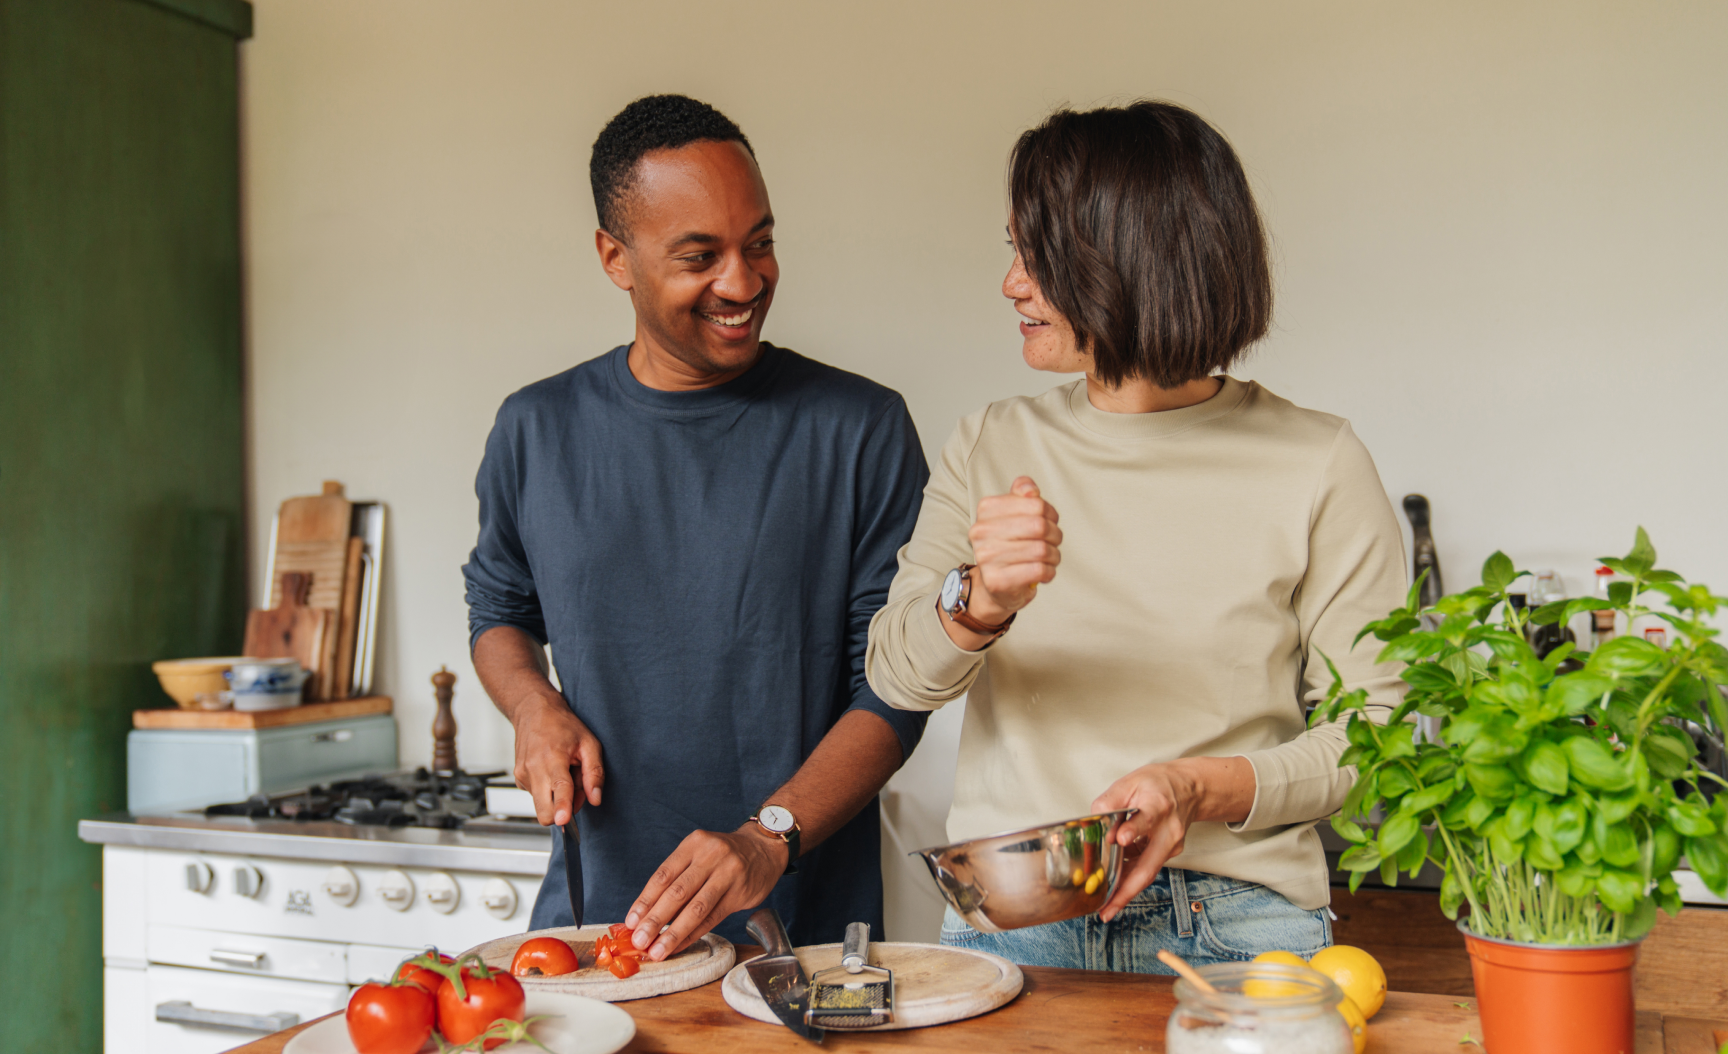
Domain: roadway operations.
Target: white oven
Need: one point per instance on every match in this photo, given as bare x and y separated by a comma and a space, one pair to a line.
203, 951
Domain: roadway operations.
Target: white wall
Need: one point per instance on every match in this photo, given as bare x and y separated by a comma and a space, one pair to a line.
1499, 231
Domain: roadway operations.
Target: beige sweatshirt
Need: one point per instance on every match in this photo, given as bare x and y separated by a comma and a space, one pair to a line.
1209, 555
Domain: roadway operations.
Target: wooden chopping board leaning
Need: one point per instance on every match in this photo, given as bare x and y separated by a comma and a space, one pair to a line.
314, 538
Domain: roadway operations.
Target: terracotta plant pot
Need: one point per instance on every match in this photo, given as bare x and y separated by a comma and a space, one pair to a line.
1548, 999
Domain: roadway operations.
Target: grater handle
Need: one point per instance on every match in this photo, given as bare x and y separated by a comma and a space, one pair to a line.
857, 943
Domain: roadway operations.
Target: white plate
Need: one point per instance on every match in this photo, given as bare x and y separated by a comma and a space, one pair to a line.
578, 1025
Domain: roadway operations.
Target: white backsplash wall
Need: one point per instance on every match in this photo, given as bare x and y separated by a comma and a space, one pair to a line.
1498, 233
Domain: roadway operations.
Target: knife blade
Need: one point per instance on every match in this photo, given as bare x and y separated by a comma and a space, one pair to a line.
573, 852
778, 975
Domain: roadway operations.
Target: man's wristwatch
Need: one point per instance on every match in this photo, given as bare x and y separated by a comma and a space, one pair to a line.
777, 820
953, 600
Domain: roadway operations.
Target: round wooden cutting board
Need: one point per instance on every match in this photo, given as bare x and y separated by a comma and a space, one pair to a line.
933, 985
696, 965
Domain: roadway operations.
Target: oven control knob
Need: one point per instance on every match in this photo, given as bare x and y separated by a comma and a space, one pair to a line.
396, 890
341, 885
442, 892
498, 897
248, 880
200, 877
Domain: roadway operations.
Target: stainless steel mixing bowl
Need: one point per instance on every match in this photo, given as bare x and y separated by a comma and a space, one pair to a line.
1027, 878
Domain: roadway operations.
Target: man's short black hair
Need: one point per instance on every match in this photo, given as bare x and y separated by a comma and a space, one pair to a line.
1138, 225
653, 122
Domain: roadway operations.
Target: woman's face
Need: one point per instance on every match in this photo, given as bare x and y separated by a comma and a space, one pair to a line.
1049, 339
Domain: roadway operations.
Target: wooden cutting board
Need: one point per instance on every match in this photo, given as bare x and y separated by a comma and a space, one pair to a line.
933, 985
174, 717
313, 536
294, 631
704, 961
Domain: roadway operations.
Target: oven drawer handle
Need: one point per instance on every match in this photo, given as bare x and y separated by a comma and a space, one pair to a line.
181, 1012
221, 955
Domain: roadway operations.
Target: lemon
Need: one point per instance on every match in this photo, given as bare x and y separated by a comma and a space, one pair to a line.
1287, 958
1358, 1024
1356, 972
1094, 882
1077, 878
1261, 988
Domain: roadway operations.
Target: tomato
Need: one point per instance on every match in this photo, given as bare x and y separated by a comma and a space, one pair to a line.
619, 933
543, 956
390, 1019
625, 965
488, 999
415, 973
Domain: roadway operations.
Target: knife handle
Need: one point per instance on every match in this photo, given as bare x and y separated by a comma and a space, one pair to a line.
857, 943
765, 926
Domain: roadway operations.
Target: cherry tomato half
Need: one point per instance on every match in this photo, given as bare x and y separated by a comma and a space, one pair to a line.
489, 998
390, 1019
625, 965
545, 957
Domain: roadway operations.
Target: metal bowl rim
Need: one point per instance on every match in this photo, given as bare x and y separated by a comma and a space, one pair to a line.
1121, 814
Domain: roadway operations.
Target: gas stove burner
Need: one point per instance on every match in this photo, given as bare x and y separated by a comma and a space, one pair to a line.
404, 799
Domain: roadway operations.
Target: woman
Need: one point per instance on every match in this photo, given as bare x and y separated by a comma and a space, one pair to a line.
1213, 541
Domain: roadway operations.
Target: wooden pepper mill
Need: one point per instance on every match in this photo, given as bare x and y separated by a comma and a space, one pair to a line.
444, 725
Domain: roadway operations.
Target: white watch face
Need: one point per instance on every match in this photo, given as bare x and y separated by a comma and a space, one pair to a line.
951, 590
775, 818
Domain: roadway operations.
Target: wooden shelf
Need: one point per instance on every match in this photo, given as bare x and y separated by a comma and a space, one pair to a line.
230, 719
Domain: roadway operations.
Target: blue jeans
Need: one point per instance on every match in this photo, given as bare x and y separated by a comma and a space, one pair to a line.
1203, 918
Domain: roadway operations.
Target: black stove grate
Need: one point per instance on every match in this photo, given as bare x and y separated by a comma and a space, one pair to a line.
421, 798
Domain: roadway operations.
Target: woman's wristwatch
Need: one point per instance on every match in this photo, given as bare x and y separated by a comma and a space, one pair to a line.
777, 820
952, 601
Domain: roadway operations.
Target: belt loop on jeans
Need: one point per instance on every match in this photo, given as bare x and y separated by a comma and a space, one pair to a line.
1179, 901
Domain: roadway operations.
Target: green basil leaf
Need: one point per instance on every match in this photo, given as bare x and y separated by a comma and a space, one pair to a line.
1429, 797
1626, 657
1669, 752
1709, 859
1506, 850
1453, 816
1577, 879
1545, 766
1619, 890
1642, 559
1594, 765
1451, 893
1351, 832
1569, 820
1613, 808
1397, 832
1414, 854
1664, 850
1395, 782
1588, 850
1477, 813
1494, 782
1498, 572
1360, 858
1620, 847
1573, 693
1499, 738
1542, 855
1412, 646
1690, 819
1399, 740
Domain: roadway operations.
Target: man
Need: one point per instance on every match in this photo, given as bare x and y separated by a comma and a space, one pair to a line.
701, 525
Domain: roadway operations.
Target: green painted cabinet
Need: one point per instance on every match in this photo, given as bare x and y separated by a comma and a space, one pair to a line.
121, 440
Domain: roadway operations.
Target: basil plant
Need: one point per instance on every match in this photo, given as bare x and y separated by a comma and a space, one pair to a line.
1563, 791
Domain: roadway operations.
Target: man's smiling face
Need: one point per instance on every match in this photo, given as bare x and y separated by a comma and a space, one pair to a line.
699, 263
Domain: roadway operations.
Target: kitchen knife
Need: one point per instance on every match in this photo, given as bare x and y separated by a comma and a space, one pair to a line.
573, 851
779, 977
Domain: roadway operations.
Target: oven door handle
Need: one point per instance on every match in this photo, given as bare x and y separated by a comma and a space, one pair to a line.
182, 1012
230, 958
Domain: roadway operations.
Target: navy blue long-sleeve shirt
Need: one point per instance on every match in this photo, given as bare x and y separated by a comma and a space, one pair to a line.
704, 565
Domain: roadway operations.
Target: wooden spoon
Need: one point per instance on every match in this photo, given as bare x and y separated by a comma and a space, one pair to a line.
1188, 973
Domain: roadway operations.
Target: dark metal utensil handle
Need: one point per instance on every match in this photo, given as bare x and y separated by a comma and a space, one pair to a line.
573, 851
765, 926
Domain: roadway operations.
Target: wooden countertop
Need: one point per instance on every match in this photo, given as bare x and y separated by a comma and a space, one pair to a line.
1063, 1010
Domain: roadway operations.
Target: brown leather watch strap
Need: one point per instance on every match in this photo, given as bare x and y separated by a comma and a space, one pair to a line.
965, 618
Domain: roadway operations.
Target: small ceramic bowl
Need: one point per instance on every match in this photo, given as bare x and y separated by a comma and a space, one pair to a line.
185, 679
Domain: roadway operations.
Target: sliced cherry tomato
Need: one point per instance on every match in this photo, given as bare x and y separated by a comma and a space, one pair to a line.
625, 965
486, 997
390, 1019
415, 973
545, 957
619, 932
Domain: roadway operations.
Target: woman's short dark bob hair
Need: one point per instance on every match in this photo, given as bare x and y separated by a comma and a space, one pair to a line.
1138, 226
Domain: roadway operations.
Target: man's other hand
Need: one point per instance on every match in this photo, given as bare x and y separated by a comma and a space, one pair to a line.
708, 877
550, 742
